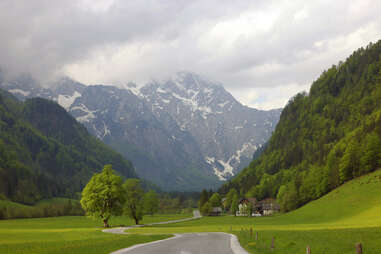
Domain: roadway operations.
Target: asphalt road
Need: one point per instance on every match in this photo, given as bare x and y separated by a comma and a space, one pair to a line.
198, 243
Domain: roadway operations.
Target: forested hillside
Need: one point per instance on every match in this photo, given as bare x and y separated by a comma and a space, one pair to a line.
45, 153
323, 138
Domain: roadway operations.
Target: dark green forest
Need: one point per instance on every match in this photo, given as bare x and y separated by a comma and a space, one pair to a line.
45, 152
324, 138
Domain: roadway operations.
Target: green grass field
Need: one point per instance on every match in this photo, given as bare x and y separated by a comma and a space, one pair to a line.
76, 234
332, 224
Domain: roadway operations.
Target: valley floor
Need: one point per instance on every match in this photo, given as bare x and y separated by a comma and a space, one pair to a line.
333, 224
75, 234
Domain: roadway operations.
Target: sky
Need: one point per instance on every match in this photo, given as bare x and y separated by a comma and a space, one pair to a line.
262, 51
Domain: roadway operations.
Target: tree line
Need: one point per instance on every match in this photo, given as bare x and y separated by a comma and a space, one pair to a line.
69, 208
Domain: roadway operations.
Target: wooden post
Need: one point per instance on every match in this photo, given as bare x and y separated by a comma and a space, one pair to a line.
308, 250
358, 248
256, 236
273, 243
231, 229
251, 233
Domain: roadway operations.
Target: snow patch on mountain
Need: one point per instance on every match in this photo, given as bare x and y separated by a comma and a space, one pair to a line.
228, 166
106, 130
220, 174
66, 100
19, 91
221, 105
89, 114
133, 89
160, 90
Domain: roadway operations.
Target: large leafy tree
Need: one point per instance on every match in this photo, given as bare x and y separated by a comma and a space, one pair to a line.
103, 195
134, 203
215, 200
151, 202
206, 209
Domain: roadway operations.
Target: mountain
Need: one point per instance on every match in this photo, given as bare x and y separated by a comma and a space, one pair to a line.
323, 138
182, 134
45, 152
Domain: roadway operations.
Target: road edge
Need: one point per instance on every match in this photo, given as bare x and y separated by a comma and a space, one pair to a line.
236, 246
145, 244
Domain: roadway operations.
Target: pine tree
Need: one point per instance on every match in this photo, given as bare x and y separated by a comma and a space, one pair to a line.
229, 198
203, 198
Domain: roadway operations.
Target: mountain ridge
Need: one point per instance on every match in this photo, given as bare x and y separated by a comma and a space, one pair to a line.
186, 128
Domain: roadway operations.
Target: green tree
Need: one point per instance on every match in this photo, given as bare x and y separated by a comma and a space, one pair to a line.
150, 202
250, 209
229, 198
234, 205
349, 163
134, 195
215, 200
206, 209
371, 153
287, 197
103, 195
203, 198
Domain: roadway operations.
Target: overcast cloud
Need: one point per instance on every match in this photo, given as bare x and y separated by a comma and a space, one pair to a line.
263, 52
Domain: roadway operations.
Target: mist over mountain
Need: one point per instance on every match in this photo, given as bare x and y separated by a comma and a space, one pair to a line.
185, 133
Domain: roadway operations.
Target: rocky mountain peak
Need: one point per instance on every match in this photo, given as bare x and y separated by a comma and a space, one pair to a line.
183, 133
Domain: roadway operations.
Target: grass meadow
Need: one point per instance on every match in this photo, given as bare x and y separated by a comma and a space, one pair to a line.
331, 224
75, 234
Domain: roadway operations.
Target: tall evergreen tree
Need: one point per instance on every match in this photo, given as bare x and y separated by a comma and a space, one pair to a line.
229, 198
203, 198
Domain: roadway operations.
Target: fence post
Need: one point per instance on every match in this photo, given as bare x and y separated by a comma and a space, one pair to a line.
231, 229
273, 243
251, 233
358, 248
256, 236
308, 249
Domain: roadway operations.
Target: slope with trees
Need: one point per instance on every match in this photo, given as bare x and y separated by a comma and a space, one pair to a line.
45, 153
323, 138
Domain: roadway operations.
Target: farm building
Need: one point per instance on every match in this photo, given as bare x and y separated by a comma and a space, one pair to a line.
257, 208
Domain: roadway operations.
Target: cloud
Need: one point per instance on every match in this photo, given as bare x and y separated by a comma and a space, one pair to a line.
255, 48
